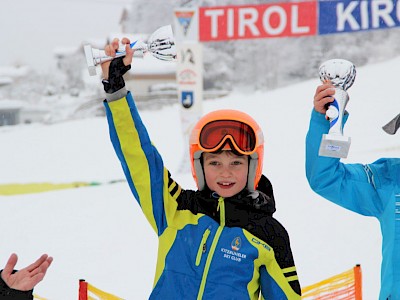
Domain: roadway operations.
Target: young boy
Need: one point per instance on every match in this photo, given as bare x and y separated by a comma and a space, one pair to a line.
220, 242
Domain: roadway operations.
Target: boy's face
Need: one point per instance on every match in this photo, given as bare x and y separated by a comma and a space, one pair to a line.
225, 173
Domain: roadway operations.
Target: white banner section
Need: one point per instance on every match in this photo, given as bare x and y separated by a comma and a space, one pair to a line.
189, 75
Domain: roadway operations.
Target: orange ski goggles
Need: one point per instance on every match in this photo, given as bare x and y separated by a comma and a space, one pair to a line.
216, 134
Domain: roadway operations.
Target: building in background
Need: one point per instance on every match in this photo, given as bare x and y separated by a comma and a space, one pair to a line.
10, 111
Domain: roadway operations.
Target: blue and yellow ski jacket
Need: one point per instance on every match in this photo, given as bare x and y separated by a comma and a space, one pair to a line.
209, 247
370, 190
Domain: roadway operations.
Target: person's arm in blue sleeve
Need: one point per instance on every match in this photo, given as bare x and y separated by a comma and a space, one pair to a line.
348, 185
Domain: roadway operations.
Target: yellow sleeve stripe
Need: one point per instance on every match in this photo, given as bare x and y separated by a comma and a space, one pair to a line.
266, 254
134, 156
171, 187
292, 278
177, 193
290, 269
170, 203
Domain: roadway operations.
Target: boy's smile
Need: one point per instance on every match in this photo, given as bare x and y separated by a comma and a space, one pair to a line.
225, 173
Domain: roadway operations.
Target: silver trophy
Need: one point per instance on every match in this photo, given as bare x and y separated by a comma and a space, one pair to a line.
160, 44
341, 73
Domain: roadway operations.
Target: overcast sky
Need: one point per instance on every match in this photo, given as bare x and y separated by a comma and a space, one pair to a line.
30, 30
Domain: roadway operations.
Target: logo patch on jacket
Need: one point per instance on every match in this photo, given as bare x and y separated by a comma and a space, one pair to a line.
234, 254
236, 243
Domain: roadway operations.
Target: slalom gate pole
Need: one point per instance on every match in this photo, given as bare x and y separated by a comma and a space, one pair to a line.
83, 289
358, 282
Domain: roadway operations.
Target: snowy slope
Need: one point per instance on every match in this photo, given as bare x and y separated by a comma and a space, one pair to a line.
99, 234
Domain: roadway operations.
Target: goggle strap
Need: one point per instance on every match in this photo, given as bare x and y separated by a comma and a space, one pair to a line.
201, 183
251, 177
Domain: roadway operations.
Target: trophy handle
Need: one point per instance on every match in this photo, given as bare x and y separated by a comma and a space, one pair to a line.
336, 111
161, 43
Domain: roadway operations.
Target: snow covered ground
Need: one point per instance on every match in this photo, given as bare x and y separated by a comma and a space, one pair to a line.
99, 234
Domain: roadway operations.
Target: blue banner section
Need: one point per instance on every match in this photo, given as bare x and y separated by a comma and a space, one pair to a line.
350, 16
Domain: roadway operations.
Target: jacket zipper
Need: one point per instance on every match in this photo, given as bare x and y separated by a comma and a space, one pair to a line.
221, 209
202, 246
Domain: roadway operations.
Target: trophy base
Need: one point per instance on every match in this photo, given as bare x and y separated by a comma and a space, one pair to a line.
89, 60
334, 146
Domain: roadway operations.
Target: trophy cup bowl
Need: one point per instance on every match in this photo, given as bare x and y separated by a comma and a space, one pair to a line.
341, 73
160, 44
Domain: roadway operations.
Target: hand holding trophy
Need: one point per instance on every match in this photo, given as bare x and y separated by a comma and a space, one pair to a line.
161, 45
341, 73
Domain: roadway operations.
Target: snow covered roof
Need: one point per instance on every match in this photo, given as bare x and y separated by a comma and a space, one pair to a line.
149, 65
11, 104
14, 72
5, 80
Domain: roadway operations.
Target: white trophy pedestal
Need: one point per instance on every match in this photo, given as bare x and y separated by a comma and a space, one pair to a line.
333, 145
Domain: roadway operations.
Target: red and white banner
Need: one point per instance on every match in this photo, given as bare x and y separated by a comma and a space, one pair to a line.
257, 21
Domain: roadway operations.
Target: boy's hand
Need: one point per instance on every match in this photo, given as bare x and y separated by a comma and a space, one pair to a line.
113, 71
323, 96
27, 278
110, 51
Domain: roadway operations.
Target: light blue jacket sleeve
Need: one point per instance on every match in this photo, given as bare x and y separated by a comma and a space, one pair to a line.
348, 185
